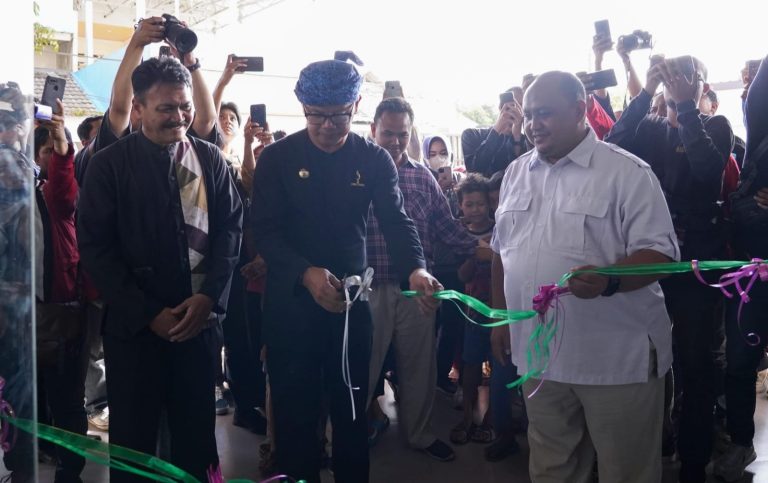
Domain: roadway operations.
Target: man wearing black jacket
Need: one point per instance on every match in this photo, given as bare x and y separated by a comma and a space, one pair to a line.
159, 230
688, 152
311, 196
489, 150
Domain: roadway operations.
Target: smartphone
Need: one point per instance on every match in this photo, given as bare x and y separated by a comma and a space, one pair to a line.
752, 66
53, 89
165, 51
254, 64
445, 174
598, 80
393, 89
603, 29
259, 114
506, 97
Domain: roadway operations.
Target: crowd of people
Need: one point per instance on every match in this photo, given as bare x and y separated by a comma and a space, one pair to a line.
177, 278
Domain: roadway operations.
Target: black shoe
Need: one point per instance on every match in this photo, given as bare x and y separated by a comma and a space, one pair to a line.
501, 448
250, 420
447, 387
440, 451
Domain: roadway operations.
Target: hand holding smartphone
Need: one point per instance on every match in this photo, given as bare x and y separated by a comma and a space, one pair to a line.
259, 114
53, 90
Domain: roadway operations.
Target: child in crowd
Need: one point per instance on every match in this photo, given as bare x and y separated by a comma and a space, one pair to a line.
475, 273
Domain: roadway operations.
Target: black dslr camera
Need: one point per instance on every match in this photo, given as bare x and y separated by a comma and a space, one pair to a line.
639, 39
176, 34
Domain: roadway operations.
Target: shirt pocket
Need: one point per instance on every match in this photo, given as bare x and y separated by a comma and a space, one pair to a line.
512, 218
579, 224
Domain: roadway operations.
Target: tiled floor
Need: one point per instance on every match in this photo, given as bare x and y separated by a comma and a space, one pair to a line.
391, 461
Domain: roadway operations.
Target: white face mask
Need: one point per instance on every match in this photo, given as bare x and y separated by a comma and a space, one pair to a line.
437, 162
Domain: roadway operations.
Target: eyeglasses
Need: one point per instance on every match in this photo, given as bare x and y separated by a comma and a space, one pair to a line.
339, 118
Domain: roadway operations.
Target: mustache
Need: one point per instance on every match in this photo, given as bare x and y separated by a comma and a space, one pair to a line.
174, 125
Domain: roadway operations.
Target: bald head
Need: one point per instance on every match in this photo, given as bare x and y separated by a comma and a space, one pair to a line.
554, 108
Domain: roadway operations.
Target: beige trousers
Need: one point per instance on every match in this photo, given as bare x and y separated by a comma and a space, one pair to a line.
398, 320
570, 423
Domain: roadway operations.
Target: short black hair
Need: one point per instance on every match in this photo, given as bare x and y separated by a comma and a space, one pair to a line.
153, 71
395, 105
84, 129
278, 135
473, 183
712, 96
232, 107
494, 183
42, 135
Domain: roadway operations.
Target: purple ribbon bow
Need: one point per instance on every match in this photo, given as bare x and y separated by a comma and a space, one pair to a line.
752, 272
6, 442
547, 298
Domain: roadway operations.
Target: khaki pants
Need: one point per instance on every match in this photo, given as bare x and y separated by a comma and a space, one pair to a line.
569, 423
398, 319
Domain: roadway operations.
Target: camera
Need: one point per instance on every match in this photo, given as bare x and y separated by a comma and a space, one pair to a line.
639, 39
182, 38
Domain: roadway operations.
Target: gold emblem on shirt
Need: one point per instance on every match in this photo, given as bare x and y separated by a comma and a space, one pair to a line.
357, 181
303, 173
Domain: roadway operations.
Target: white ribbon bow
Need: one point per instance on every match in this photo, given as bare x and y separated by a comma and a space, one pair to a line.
363, 285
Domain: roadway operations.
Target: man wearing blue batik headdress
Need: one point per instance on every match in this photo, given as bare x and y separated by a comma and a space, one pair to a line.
311, 195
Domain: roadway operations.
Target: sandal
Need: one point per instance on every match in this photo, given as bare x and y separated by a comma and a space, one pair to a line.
482, 434
460, 434
376, 428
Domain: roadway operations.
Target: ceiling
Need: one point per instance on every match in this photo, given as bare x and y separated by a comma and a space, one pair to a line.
205, 15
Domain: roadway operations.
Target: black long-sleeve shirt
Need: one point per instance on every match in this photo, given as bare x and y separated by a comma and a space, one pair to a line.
131, 230
688, 160
486, 151
310, 208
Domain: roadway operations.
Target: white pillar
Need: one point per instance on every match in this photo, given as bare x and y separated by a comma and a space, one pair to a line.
88, 31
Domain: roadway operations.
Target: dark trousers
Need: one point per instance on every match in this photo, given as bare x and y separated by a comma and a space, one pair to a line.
743, 359
302, 367
695, 310
450, 327
242, 343
507, 405
146, 374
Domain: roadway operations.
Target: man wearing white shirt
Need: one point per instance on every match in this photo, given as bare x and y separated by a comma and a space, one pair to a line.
576, 202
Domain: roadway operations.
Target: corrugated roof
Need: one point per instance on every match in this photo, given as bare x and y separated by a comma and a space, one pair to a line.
76, 102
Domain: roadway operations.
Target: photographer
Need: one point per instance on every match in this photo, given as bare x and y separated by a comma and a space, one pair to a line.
600, 46
750, 219
688, 152
488, 150
119, 119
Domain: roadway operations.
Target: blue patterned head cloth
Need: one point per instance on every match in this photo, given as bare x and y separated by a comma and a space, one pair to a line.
329, 83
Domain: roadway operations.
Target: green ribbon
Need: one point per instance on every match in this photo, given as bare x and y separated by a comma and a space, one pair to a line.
538, 353
111, 455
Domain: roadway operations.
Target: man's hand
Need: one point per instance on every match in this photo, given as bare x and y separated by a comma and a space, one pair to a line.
149, 30
56, 129
500, 345
483, 252
233, 67
254, 131
195, 311
421, 281
762, 198
587, 285
325, 289
680, 88
162, 324
600, 45
510, 120
254, 269
655, 74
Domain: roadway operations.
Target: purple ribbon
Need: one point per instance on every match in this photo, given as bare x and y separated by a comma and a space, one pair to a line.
6, 441
752, 272
548, 297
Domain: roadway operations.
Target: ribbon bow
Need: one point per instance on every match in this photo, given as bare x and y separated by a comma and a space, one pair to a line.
363, 285
756, 269
548, 297
6, 440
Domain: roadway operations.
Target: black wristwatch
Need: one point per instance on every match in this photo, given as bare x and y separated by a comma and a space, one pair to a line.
193, 67
614, 283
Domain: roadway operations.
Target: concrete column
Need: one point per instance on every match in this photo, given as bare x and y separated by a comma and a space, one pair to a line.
88, 5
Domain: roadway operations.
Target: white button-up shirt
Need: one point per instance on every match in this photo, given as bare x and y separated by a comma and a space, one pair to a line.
596, 206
